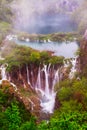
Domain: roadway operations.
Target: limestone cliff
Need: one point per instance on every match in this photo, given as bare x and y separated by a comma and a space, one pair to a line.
82, 60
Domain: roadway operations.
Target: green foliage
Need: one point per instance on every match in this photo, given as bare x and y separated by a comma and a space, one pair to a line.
75, 90
13, 114
68, 117
67, 121
45, 56
18, 57
21, 55
78, 52
34, 57
43, 126
13, 117
65, 94
72, 113
4, 27
56, 60
29, 125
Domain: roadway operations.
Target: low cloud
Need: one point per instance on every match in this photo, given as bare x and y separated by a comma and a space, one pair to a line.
31, 14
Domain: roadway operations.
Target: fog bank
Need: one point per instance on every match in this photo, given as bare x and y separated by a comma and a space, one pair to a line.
43, 16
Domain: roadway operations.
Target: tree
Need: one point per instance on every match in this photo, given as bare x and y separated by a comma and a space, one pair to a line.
13, 116
29, 125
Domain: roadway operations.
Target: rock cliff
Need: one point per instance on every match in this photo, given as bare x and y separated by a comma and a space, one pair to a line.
82, 59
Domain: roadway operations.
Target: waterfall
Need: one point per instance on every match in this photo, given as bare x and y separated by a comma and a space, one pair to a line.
46, 92
56, 79
28, 80
48, 100
73, 69
45, 76
3, 73
47, 89
4, 76
38, 83
48, 95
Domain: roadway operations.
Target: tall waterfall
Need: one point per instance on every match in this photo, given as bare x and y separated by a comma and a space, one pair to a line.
47, 89
48, 98
47, 77
3, 73
28, 75
73, 69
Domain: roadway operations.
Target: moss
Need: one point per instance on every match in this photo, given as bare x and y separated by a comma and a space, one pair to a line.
78, 52
34, 57
25, 93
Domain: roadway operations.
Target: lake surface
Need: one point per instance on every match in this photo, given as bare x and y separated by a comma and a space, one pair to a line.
60, 49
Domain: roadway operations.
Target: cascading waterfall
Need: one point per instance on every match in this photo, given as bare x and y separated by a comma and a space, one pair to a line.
3, 72
38, 83
47, 95
4, 75
47, 90
73, 69
71, 62
48, 99
28, 75
56, 79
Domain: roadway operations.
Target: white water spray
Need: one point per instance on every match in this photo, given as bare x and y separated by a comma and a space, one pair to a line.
38, 83
3, 73
47, 90
28, 80
73, 69
43, 87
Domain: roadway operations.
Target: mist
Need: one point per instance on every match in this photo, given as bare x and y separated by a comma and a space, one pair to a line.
44, 16
80, 17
